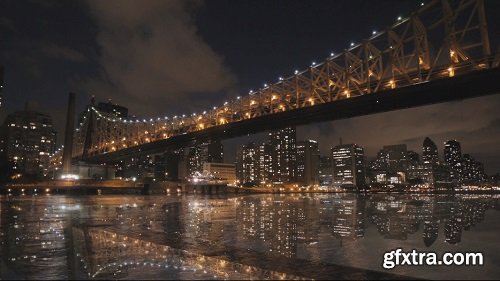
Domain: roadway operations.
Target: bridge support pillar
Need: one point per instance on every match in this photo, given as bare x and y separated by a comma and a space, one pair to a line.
68, 135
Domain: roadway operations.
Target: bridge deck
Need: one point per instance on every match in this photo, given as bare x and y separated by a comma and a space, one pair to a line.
475, 84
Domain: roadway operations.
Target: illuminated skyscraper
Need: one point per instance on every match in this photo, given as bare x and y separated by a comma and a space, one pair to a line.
429, 152
284, 153
29, 140
265, 162
472, 170
248, 163
348, 166
211, 152
308, 162
453, 157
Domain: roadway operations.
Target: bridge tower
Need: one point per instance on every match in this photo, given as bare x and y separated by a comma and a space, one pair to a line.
68, 135
87, 144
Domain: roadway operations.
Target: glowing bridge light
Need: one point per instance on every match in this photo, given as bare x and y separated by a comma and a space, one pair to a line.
313, 63
451, 71
347, 93
352, 44
400, 18
374, 32
280, 78
311, 100
296, 72
421, 4
332, 54
238, 97
392, 83
265, 85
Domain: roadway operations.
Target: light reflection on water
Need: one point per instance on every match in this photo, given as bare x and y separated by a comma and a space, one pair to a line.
316, 236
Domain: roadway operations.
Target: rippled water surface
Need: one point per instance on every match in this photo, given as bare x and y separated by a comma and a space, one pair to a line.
318, 236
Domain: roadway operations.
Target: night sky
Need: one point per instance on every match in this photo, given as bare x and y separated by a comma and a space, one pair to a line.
176, 56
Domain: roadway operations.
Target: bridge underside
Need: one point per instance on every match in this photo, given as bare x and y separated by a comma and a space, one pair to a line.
476, 84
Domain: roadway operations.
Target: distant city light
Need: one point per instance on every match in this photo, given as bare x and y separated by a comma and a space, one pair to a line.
70, 177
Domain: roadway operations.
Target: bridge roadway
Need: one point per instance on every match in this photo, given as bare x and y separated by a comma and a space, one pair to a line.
475, 84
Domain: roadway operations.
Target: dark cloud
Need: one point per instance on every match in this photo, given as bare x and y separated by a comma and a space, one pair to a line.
152, 58
63, 53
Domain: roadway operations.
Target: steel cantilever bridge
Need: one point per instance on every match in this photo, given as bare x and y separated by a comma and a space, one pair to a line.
439, 53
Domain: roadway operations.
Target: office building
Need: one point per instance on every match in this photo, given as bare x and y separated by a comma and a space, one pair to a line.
308, 162
472, 170
211, 151
221, 171
325, 171
265, 156
348, 166
412, 157
29, 139
453, 158
429, 152
248, 163
284, 153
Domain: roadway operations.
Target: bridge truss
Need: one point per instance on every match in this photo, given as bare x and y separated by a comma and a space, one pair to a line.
443, 38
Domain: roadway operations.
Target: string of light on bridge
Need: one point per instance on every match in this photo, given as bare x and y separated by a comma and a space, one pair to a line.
353, 45
381, 62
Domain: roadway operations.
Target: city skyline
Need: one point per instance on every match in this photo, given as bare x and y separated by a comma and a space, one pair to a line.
249, 139
479, 130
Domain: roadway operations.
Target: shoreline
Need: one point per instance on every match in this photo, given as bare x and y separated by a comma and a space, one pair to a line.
35, 189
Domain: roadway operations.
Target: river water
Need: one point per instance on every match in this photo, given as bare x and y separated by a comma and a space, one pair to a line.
293, 236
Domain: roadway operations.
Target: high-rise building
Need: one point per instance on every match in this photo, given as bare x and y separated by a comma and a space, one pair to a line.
29, 140
396, 157
284, 153
453, 158
248, 163
472, 170
265, 169
308, 162
325, 170
166, 165
390, 159
211, 151
429, 152
412, 157
348, 166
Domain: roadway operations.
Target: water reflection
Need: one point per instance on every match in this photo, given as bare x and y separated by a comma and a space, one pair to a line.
264, 237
